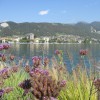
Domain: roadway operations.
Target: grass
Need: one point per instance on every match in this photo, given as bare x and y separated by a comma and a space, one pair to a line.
79, 83
78, 88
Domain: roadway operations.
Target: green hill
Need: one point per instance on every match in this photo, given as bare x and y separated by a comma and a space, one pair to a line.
47, 29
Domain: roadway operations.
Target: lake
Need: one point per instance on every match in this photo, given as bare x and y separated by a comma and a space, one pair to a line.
47, 50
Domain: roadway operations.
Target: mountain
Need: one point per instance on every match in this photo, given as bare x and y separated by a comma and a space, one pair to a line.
47, 29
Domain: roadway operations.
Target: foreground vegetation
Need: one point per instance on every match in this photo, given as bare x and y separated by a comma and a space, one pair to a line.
45, 81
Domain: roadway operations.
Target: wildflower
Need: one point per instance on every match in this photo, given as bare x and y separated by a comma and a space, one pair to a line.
12, 57
4, 73
25, 92
1, 92
0, 55
15, 69
57, 52
1, 47
26, 84
8, 89
38, 71
31, 73
1, 82
63, 83
3, 70
44, 72
3, 58
83, 52
36, 61
6, 46
45, 98
60, 68
46, 61
53, 98
96, 83
27, 68
44, 87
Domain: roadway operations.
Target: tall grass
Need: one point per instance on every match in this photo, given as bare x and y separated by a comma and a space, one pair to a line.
79, 82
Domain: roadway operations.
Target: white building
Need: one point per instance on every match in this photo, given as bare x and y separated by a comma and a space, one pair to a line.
30, 36
37, 40
46, 39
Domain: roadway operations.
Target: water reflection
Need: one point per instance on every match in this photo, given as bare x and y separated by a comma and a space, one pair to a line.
70, 51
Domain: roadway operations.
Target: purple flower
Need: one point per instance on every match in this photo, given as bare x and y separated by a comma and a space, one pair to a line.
52, 98
46, 61
45, 72
45, 98
36, 61
8, 89
57, 52
26, 84
63, 83
1, 92
38, 71
31, 73
25, 92
35, 58
6, 46
96, 83
4, 70
5, 73
1, 47
83, 52
1, 55
41, 71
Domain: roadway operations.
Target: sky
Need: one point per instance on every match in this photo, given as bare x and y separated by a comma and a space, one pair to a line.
53, 11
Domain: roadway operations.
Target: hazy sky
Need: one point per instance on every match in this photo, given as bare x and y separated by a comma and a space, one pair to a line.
63, 11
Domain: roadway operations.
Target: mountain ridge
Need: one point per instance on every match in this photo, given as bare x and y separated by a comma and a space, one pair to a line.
83, 29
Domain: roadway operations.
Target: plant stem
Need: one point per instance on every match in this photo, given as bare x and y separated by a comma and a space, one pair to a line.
91, 91
98, 95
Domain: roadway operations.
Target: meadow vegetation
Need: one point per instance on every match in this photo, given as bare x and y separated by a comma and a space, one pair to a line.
48, 79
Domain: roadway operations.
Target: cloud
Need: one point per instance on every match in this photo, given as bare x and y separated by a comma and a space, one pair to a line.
43, 12
4, 25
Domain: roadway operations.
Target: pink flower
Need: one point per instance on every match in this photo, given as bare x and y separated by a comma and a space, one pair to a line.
57, 52
12, 57
6, 46
1, 47
83, 52
36, 61
52, 98
96, 82
63, 83
38, 71
31, 73
36, 58
46, 61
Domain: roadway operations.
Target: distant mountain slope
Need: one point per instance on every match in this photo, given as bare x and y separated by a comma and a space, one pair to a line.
48, 29
96, 25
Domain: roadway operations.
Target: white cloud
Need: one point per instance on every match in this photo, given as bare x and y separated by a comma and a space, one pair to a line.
4, 24
43, 12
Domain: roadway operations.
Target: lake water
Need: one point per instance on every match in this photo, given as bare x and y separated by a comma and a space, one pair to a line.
47, 50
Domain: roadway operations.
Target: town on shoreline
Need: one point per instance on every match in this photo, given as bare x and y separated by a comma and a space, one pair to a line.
31, 38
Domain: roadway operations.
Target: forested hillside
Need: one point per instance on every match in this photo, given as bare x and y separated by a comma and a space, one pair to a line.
48, 29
